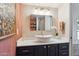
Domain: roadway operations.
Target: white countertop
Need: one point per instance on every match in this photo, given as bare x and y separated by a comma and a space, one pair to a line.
31, 41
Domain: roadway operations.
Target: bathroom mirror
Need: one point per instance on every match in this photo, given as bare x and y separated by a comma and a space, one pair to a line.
41, 22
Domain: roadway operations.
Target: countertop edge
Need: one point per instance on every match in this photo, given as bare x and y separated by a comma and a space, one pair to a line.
20, 43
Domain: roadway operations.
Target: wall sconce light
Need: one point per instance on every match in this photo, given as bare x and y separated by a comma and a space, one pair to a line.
62, 26
41, 11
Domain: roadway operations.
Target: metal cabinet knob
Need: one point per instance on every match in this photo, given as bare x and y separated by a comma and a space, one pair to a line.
44, 46
49, 46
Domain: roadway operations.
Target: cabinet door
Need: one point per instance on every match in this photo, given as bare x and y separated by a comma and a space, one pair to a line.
40, 50
64, 49
24, 51
52, 50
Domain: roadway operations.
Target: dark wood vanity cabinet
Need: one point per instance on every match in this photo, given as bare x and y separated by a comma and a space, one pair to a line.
44, 50
40, 50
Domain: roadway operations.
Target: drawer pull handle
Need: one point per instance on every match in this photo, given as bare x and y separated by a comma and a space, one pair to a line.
64, 47
64, 53
25, 51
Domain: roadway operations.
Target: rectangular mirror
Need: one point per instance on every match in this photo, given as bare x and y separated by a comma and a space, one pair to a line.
41, 22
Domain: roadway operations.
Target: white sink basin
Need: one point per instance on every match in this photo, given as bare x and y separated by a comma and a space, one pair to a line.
43, 36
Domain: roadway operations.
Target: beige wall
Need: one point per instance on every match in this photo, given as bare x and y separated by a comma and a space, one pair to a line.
63, 14
27, 13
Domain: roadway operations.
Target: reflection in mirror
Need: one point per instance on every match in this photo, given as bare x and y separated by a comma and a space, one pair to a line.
41, 22
48, 23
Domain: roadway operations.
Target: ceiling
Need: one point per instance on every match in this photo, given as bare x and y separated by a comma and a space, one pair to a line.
53, 5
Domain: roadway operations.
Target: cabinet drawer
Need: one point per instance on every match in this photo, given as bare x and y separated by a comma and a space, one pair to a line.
64, 46
24, 51
64, 53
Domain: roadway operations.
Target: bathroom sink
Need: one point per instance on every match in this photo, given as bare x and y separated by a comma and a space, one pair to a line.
43, 36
